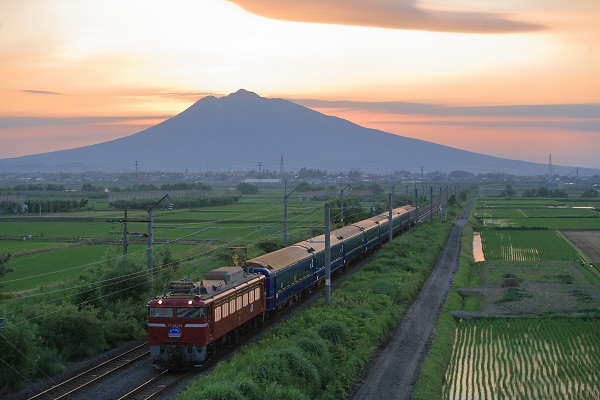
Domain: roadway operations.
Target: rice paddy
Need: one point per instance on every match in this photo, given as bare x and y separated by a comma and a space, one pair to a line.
525, 359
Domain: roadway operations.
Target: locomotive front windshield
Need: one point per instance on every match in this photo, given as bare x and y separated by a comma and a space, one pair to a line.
160, 312
188, 312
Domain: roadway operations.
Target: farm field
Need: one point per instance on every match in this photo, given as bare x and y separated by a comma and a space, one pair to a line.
588, 242
63, 264
519, 245
544, 288
28, 246
525, 359
542, 213
60, 247
535, 331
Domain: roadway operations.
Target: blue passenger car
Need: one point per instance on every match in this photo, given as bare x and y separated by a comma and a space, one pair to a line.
288, 271
352, 242
370, 230
336, 254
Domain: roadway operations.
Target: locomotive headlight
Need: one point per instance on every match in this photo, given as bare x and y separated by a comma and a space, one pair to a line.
160, 302
189, 302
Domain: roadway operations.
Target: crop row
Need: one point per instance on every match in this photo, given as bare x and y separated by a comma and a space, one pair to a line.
525, 359
516, 245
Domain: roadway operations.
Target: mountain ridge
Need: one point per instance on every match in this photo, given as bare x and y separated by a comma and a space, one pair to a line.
241, 129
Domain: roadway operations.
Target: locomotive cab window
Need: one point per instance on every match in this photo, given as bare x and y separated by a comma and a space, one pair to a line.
160, 312
189, 312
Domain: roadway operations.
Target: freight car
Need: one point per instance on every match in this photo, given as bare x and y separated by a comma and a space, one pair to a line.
192, 320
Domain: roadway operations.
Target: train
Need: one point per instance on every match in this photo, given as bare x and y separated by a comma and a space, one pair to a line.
192, 320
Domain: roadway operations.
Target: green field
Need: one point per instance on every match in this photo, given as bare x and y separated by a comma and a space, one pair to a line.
525, 359
531, 245
545, 213
63, 264
76, 241
26, 246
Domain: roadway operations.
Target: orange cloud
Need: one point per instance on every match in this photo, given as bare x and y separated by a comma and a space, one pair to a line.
394, 14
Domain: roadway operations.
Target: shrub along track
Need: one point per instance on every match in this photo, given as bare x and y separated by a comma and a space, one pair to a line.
395, 369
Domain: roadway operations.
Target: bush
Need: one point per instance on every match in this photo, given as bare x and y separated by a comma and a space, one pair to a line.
22, 351
125, 280
313, 344
71, 332
334, 332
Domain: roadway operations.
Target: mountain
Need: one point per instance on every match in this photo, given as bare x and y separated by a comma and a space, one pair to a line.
241, 130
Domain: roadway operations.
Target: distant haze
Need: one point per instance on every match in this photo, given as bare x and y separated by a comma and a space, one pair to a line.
242, 130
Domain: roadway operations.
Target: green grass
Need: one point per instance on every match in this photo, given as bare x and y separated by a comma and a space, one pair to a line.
494, 272
27, 245
49, 268
525, 245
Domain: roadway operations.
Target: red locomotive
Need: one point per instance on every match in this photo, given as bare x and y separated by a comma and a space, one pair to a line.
188, 324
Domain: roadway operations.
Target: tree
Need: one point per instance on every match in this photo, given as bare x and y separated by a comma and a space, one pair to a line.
508, 192
4, 269
590, 193
354, 174
247, 188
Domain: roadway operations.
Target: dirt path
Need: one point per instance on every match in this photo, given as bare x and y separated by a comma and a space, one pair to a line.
395, 370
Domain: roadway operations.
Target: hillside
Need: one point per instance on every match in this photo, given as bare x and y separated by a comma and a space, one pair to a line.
238, 131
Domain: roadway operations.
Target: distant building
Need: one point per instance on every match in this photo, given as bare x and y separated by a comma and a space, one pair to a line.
253, 180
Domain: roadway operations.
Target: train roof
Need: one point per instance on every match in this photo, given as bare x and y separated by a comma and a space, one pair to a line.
282, 258
318, 243
347, 232
216, 281
366, 224
396, 211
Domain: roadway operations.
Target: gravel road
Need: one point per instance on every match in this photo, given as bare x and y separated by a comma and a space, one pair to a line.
392, 375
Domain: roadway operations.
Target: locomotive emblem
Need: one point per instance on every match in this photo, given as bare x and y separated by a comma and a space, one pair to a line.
174, 333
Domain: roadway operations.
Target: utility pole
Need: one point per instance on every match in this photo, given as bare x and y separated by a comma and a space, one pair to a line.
390, 211
440, 202
125, 233
281, 167
431, 203
151, 232
327, 254
417, 205
550, 169
136, 176
422, 182
394, 190
285, 211
342, 204
259, 171
124, 221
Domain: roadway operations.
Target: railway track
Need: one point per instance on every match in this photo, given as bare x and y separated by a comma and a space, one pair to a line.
93, 375
156, 386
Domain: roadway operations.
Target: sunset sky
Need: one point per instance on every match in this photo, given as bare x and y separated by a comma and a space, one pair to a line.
514, 79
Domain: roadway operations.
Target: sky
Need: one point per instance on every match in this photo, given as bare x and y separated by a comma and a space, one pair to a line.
511, 78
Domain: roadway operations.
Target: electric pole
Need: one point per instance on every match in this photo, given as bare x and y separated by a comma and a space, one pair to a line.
390, 211
327, 255
417, 205
124, 222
